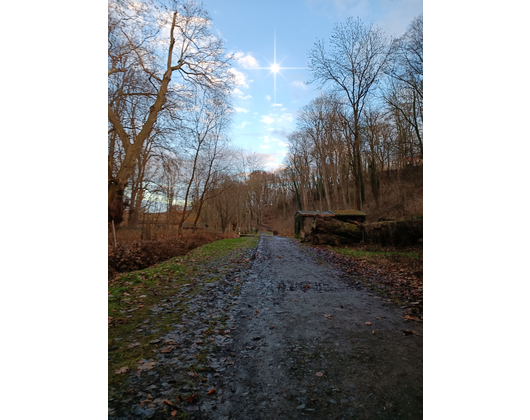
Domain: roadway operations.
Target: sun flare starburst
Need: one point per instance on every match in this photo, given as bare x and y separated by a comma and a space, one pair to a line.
276, 69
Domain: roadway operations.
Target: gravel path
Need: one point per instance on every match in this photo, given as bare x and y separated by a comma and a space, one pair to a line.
312, 321
299, 347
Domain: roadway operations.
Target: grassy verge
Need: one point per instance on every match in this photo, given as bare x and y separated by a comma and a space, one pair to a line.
391, 273
132, 325
410, 259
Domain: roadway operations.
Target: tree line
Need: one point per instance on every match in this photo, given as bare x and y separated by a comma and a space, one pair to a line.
367, 122
358, 145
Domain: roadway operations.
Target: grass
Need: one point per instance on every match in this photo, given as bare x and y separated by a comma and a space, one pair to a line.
138, 291
390, 273
377, 254
408, 260
411, 258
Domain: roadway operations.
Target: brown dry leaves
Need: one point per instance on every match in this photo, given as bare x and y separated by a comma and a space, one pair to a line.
402, 278
145, 366
121, 370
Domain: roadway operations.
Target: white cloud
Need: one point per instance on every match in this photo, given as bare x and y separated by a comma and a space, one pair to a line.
287, 117
270, 129
283, 109
239, 77
246, 61
239, 94
264, 146
241, 110
243, 125
299, 84
276, 105
266, 139
283, 144
266, 119
272, 160
268, 97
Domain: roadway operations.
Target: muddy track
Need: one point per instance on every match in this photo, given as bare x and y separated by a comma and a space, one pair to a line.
294, 343
297, 317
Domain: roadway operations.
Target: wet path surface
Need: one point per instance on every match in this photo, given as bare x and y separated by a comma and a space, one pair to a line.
302, 348
276, 333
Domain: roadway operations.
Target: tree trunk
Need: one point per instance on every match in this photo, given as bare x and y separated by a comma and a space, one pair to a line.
115, 203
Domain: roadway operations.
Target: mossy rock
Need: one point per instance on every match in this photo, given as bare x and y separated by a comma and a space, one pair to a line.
396, 233
350, 232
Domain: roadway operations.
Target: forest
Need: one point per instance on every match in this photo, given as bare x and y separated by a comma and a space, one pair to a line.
210, 294
172, 165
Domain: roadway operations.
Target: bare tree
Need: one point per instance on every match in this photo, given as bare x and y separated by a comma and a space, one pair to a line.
206, 118
152, 43
405, 93
352, 67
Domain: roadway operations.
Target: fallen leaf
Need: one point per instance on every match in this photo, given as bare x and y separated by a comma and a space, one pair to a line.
146, 366
319, 374
377, 317
167, 402
328, 316
271, 327
122, 370
211, 391
154, 341
368, 323
373, 332
306, 286
173, 413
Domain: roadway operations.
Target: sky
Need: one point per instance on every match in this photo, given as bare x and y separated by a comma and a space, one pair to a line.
250, 29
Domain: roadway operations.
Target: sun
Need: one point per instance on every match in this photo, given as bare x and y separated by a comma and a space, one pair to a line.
275, 68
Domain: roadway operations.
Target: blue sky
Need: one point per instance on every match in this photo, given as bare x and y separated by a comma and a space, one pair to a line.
248, 28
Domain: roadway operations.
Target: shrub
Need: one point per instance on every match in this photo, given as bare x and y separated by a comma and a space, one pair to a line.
137, 255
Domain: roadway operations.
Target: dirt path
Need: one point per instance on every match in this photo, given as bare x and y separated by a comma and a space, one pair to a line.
271, 332
312, 321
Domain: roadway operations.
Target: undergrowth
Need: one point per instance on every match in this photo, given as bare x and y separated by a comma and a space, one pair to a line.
132, 325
